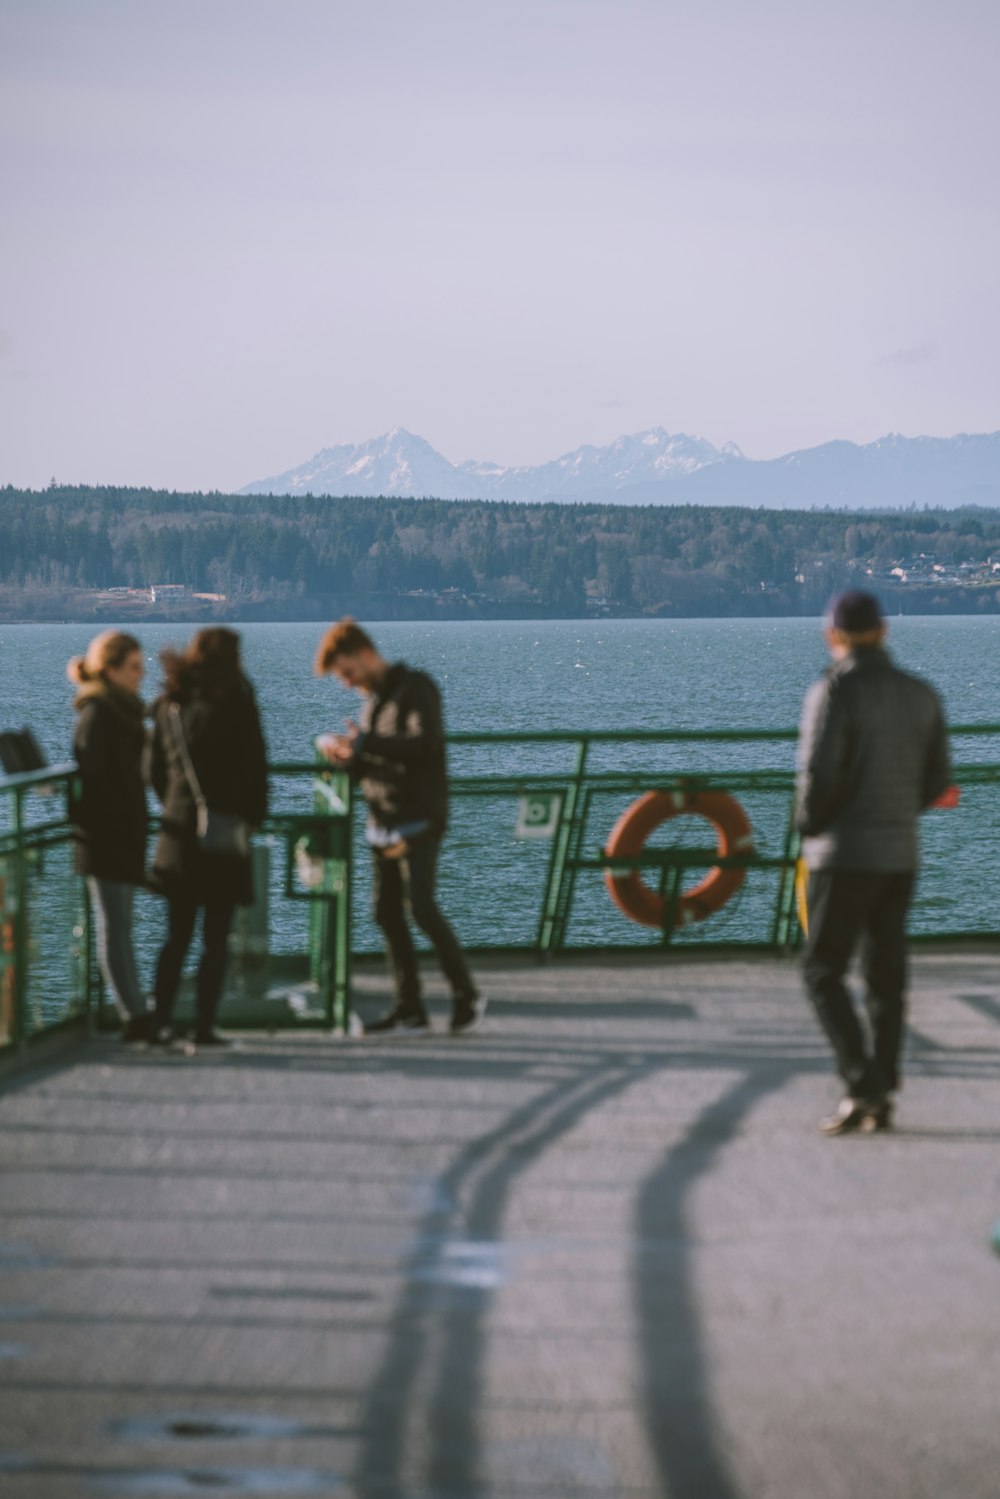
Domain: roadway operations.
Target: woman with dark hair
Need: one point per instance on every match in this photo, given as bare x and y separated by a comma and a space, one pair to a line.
209, 769
108, 808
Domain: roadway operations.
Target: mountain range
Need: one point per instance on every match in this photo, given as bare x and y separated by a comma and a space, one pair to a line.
657, 467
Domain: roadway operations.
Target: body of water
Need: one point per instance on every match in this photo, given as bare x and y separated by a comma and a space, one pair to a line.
547, 674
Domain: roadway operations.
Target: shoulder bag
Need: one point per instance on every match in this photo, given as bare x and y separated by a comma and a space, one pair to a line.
217, 832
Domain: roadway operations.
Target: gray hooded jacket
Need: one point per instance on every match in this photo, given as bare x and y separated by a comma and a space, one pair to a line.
873, 753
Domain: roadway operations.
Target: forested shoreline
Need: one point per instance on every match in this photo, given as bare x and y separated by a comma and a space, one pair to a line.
305, 557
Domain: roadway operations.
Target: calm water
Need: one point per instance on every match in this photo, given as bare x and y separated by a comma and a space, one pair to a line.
543, 674
619, 674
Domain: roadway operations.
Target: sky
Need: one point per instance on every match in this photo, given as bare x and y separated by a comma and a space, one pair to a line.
233, 232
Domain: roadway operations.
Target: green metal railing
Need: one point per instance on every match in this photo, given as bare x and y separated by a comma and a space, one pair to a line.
578, 789
318, 848
34, 826
23, 842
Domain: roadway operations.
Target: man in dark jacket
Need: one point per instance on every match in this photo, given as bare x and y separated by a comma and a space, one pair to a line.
873, 754
397, 752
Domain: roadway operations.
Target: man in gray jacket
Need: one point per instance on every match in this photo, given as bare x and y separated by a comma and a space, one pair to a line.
873, 754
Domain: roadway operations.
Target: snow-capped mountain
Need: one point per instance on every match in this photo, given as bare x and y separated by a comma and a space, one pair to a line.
401, 464
657, 467
396, 464
655, 456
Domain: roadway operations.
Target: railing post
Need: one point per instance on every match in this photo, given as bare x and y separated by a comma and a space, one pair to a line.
543, 932
20, 924
671, 879
559, 892
330, 918
83, 931
784, 911
342, 922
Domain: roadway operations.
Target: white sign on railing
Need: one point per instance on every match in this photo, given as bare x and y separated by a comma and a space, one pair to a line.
538, 815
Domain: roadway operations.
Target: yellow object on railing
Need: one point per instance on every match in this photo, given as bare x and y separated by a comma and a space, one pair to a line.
801, 895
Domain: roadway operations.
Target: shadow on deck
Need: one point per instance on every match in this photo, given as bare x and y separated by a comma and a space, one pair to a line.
597, 1247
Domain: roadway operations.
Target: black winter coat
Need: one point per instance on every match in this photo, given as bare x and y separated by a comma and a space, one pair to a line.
226, 746
399, 756
108, 803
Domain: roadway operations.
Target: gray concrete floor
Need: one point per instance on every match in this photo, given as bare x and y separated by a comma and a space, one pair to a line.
598, 1248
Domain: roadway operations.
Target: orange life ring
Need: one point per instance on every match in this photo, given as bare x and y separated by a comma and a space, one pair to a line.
734, 836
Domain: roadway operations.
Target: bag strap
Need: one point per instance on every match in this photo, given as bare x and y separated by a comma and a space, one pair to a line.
201, 805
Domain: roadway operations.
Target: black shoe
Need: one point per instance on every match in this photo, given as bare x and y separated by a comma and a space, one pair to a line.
859, 1114
211, 1038
413, 1022
468, 1013
161, 1035
878, 1118
137, 1028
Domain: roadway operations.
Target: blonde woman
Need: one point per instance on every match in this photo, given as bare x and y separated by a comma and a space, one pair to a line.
109, 808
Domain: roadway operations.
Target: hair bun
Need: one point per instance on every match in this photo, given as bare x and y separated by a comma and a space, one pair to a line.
77, 671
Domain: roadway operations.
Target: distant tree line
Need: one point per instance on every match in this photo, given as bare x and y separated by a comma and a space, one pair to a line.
560, 559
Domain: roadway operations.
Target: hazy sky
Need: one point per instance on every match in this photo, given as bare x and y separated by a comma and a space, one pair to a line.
234, 232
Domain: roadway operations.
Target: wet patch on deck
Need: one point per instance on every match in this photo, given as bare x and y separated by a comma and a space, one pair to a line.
24, 1257
227, 1426
463, 1264
17, 1313
179, 1481
287, 1293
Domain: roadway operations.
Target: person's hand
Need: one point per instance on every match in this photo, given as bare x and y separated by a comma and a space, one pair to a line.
337, 748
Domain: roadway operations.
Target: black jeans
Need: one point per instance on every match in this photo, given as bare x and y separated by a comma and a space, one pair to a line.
406, 887
848, 907
181, 917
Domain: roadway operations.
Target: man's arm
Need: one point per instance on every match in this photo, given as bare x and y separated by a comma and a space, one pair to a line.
937, 776
821, 758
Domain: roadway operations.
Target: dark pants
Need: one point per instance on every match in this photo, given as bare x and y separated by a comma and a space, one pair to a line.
181, 918
846, 908
406, 887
